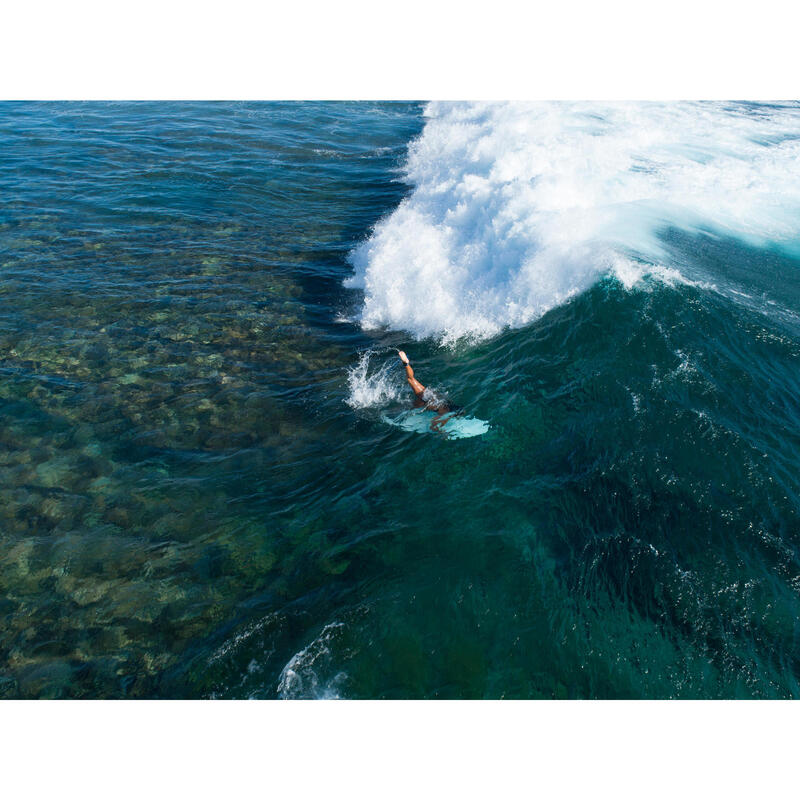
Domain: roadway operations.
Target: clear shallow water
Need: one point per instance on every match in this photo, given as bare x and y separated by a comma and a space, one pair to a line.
200, 498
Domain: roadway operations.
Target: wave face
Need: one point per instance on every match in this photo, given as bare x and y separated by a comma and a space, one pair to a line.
516, 208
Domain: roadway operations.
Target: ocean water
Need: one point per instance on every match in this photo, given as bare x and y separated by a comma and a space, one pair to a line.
201, 498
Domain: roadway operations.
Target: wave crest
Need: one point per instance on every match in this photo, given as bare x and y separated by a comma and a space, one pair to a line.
518, 207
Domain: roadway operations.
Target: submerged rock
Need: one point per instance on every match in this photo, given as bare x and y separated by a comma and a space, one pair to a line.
55, 473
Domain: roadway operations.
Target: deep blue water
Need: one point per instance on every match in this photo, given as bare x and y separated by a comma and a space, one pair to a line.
200, 497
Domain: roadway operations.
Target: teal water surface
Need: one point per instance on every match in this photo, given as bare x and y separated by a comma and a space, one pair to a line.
197, 503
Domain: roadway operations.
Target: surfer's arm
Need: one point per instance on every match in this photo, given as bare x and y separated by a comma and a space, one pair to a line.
412, 381
438, 421
418, 388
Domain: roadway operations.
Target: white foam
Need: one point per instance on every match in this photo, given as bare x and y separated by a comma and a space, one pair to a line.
377, 388
518, 207
300, 678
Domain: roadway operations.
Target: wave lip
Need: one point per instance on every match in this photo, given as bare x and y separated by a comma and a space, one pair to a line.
518, 207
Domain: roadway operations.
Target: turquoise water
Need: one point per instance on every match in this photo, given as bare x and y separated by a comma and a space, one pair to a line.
200, 498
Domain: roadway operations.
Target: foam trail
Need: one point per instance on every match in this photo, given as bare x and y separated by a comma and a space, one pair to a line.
518, 207
376, 389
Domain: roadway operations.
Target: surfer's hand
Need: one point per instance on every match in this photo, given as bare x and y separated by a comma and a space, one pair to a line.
403, 356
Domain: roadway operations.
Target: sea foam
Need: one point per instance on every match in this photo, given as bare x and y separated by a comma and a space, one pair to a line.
515, 208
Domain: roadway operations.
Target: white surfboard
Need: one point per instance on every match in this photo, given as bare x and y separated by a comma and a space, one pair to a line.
420, 420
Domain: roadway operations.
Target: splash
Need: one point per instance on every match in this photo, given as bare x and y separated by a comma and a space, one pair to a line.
373, 389
518, 207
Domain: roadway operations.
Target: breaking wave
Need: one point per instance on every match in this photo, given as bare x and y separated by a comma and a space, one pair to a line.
516, 207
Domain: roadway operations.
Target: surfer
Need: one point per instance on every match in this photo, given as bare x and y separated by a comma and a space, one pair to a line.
426, 397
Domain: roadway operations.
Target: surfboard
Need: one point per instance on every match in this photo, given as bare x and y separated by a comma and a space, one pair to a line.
419, 420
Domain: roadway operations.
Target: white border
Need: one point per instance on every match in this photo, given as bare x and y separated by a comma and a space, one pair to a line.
402, 750
414, 49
